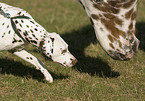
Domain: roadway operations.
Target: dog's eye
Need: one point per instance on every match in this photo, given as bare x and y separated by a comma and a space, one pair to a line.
64, 51
97, 1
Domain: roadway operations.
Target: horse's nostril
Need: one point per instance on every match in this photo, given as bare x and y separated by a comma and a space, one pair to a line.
135, 46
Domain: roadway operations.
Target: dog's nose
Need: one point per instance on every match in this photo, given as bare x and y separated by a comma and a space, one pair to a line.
74, 61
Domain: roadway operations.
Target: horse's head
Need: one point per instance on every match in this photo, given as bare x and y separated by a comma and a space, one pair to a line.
114, 24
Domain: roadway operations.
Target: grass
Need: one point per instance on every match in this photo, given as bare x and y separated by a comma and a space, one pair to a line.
96, 77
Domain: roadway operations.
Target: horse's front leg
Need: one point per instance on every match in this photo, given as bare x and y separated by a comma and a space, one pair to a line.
36, 62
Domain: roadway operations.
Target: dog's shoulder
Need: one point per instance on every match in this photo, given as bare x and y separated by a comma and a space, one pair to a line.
14, 11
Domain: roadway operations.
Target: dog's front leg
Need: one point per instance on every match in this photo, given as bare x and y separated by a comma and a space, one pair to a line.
36, 62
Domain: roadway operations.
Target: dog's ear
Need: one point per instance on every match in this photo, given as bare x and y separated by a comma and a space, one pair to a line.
58, 41
47, 46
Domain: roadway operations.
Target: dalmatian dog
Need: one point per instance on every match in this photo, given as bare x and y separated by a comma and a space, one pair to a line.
18, 28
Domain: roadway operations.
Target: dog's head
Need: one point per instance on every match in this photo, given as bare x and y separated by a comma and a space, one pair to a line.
56, 48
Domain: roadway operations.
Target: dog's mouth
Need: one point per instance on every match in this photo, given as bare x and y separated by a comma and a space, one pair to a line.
74, 61
67, 60
68, 64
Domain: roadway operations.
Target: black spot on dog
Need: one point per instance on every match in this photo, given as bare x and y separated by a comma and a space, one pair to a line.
25, 33
22, 21
36, 29
31, 58
14, 41
19, 30
3, 35
19, 13
52, 51
31, 30
33, 35
8, 26
52, 39
20, 25
64, 62
16, 22
27, 57
32, 22
27, 39
9, 32
20, 41
27, 26
33, 41
30, 38
50, 56
3, 24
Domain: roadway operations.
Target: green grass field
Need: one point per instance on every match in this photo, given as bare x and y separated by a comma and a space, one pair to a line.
96, 77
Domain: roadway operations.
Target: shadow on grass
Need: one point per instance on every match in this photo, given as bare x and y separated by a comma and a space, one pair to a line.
18, 69
78, 41
140, 26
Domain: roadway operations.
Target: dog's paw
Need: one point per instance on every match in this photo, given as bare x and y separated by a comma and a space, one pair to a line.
48, 76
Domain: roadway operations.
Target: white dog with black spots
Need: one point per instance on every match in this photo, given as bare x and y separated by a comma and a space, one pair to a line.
17, 28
